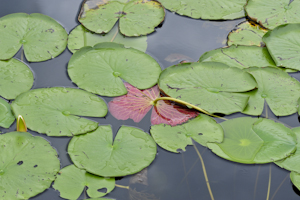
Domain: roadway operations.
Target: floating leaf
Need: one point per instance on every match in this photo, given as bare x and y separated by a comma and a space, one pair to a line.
283, 44
207, 9
41, 36
28, 165
131, 151
271, 13
247, 33
202, 129
54, 111
137, 103
104, 68
291, 163
6, 116
208, 85
240, 56
72, 181
15, 77
249, 140
277, 88
137, 17
80, 37
295, 178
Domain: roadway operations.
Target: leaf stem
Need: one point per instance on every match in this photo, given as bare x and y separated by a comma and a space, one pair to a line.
269, 185
204, 172
186, 104
122, 186
114, 37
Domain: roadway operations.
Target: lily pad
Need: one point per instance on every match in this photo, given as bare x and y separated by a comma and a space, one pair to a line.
251, 140
212, 86
240, 56
104, 68
277, 88
202, 129
54, 111
81, 37
291, 163
16, 78
28, 165
41, 36
6, 116
295, 178
72, 181
137, 103
271, 14
283, 44
131, 151
247, 33
137, 17
207, 9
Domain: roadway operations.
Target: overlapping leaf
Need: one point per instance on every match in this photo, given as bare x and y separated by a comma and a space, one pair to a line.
6, 116
212, 86
72, 181
277, 88
81, 37
131, 151
207, 9
249, 140
137, 17
15, 77
54, 111
41, 36
137, 103
28, 165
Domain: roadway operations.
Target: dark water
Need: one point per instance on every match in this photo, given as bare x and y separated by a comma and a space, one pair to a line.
171, 176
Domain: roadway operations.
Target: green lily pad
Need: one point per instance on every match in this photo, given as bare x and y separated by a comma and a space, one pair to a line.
291, 163
6, 116
212, 86
81, 37
54, 111
137, 17
283, 44
202, 129
207, 9
277, 88
72, 181
240, 56
41, 36
295, 178
15, 77
28, 165
271, 14
251, 140
247, 33
131, 151
104, 68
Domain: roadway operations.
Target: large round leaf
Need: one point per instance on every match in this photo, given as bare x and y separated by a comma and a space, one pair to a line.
207, 9
202, 129
240, 56
247, 33
81, 37
292, 163
41, 36
28, 165
280, 91
249, 140
131, 151
72, 181
6, 116
54, 111
270, 13
283, 44
137, 17
100, 70
212, 86
15, 78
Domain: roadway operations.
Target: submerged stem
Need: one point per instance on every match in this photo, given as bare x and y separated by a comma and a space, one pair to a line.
113, 38
186, 104
269, 185
204, 172
122, 186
